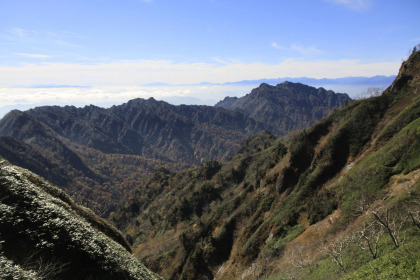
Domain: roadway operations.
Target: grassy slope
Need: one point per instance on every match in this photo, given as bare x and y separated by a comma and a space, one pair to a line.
384, 174
402, 263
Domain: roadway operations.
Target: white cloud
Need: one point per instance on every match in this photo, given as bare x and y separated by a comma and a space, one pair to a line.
33, 55
355, 5
277, 46
305, 50
219, 60
118, 82
22, 33
298, 48
41, 37
25, 98
136, 73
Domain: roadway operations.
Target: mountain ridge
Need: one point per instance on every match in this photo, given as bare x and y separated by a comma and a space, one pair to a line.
376, 80
124, 143
272, 104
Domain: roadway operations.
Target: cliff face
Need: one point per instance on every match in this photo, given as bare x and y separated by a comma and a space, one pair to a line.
45, 235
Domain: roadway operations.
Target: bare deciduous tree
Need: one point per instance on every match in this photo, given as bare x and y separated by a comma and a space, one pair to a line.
369, 235
299, 256
336, 251
415, 218
393, 224
363, 204
414, 213
370, 92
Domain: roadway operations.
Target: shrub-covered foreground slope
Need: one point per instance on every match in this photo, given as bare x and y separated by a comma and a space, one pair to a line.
44, 235
318, 206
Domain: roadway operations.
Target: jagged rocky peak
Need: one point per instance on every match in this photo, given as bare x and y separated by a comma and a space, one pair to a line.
287, 106
227, 102
292, 91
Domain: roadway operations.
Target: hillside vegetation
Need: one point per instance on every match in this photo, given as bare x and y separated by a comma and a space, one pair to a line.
45, 235
318, 205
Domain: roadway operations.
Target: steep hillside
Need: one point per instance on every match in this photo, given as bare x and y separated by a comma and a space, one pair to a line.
109, 178
26, 156
286, 106
31, 144
184, 133
288, 209
100, 155
152, 129
29, 130
45, 235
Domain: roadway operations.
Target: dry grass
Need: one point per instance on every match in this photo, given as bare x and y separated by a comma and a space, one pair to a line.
400, 183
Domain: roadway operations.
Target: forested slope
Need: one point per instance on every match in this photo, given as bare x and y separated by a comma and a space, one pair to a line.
289, 208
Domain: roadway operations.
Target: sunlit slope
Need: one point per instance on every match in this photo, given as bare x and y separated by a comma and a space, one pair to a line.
257, 213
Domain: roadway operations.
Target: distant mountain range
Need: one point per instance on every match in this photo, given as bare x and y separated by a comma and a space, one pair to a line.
378, 80
195, 94
148, 133
159, 130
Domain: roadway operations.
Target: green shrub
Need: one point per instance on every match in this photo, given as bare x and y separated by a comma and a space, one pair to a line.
363, 184
321, 205
286, 234
402, 263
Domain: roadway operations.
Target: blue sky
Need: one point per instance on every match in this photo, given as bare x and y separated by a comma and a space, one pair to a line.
130, 43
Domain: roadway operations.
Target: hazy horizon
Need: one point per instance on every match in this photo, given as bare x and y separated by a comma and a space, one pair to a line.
24, 98
104, 52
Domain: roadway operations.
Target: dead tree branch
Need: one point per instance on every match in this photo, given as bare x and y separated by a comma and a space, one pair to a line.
369, 235
393, 225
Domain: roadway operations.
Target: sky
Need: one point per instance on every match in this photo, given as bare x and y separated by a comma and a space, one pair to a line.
106, 52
